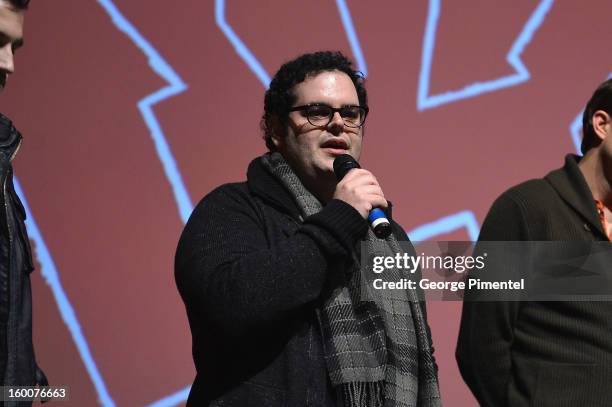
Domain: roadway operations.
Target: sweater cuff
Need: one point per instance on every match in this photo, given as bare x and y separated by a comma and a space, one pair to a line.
342, 221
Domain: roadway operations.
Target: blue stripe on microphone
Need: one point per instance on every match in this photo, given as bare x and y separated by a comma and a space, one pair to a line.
376, 214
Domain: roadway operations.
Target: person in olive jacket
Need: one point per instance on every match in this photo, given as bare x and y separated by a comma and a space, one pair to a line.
548, 353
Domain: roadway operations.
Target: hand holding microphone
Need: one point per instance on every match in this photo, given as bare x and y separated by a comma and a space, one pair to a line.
360, 189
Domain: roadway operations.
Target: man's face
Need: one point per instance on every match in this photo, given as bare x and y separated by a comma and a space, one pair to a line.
311, 149
11, 38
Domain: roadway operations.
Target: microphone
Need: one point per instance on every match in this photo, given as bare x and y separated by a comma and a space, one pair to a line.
377, 218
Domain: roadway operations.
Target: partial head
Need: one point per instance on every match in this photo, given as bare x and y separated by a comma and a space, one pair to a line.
11, 34
18, 4
596, 120
314, 110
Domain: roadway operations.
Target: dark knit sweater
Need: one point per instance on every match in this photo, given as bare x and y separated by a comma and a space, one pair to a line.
540, 353
251, 274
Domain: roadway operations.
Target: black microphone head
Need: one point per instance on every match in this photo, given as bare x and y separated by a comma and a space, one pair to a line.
343, 164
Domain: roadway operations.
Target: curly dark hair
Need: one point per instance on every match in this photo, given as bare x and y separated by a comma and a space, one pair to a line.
601, 100
18, 4
279, 97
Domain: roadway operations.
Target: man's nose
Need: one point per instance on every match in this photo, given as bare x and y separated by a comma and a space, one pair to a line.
337, 120
7, 63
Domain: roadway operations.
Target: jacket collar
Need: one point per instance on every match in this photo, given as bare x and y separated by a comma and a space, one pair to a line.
10, 138
573, 189
265, 185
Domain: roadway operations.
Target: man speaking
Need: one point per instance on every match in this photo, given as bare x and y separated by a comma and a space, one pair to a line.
269, 268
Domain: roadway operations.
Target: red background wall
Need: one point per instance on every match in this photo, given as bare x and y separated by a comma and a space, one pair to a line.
97, 190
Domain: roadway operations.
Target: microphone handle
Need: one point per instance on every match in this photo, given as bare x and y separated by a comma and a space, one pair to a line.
377, 218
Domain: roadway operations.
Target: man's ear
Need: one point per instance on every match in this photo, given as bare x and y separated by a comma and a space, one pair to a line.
278, 131
602, 124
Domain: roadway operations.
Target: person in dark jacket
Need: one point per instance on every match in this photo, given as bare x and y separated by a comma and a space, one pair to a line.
548, 353
269, 268
17, 362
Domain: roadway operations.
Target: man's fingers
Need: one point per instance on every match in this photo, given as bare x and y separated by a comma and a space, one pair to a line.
378, 201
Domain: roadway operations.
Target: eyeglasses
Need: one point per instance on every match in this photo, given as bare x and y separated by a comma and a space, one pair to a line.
319, 114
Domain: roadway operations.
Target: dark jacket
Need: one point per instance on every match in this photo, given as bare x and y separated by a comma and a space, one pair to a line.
17, 362
540, 353
251, 274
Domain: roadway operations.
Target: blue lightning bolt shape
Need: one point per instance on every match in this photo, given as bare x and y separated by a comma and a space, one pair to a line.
51, 276
253, 63
426, 101
575, 127
447, 224
173, 399
175, 86
48, 268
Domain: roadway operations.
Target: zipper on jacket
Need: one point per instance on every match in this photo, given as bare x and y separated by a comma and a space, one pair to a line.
15, 152
10, 328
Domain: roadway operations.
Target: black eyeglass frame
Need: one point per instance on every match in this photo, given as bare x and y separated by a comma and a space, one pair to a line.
333, 110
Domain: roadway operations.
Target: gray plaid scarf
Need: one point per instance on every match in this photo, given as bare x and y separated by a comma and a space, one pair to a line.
376, 345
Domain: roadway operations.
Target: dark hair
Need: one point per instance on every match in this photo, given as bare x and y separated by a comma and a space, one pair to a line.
280, 98
601, 100
18, 4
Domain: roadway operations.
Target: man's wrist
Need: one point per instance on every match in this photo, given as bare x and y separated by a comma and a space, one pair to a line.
342, 221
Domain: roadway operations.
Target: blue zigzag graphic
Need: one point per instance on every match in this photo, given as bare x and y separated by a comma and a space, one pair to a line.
426, 101
175, 86
576, 126
464, 219
51, 276
173, 399
257, 68
242, 50
351, 35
